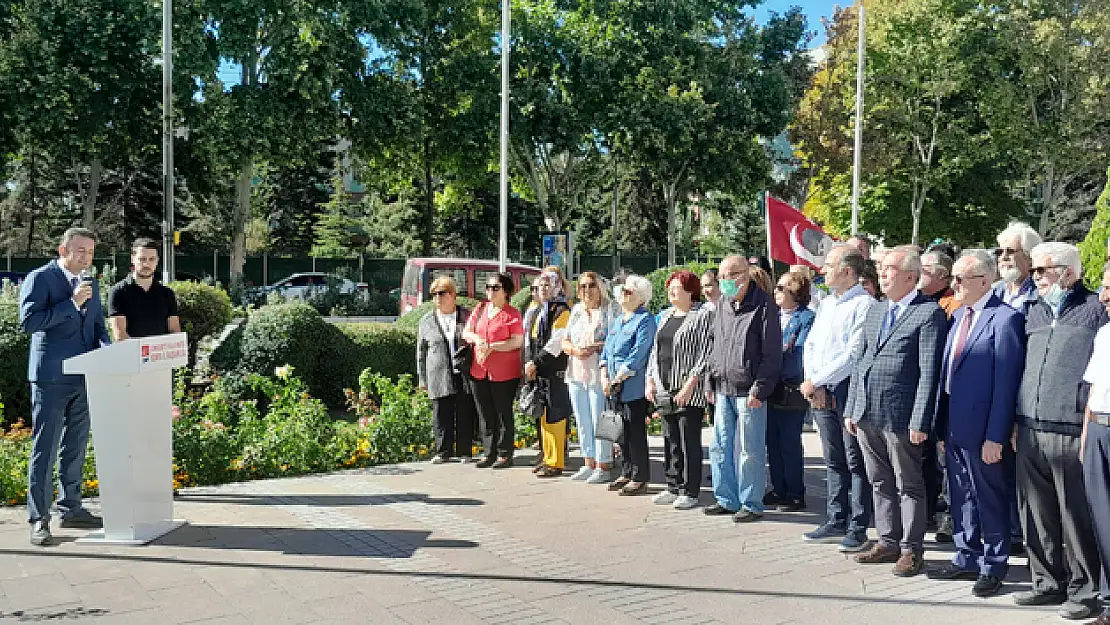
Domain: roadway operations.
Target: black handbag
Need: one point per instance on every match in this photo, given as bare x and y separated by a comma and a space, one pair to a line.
788, 396
532, 399
463, 358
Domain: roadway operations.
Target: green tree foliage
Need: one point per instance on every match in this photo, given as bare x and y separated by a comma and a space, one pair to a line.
1093, 249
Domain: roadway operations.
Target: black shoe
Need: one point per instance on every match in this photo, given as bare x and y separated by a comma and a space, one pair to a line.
746, 516
1032, 597
1017, 548
944, 529
792, 505
485, 463
1076, 610
503, 463
986, 586
82, 519
951, 572
773, 499
718, 510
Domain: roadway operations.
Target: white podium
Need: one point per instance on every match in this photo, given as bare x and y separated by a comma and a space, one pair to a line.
130, 389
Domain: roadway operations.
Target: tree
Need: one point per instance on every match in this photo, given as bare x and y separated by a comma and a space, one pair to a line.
1093, 249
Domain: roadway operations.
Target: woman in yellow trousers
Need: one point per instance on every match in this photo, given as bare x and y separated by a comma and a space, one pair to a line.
545, 361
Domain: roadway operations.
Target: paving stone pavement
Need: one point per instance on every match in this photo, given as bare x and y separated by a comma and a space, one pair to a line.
420, 543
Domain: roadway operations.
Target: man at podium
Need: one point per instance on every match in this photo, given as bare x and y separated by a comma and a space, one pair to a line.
59, 305
140, 305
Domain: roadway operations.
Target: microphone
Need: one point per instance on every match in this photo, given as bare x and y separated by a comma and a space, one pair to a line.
86, 277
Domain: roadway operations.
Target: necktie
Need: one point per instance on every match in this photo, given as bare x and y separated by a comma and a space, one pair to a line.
890, 319
961, 337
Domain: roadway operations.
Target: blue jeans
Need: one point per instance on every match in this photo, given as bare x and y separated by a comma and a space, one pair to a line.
850, 496
785, 457
60, 418
587, 403
738, 454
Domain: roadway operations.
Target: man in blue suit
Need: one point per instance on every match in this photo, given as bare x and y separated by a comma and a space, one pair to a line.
61, 310
980, 375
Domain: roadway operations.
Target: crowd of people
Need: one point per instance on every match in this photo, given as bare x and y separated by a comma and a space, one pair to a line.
964, 395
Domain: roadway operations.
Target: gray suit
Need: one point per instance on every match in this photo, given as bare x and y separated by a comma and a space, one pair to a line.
893, 391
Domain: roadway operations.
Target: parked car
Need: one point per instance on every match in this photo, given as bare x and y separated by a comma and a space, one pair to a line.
470, 277
301, 286
15, 277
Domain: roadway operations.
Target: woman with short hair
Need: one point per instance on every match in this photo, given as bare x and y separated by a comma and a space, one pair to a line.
623, 373
676, 368
496, 331
438, 337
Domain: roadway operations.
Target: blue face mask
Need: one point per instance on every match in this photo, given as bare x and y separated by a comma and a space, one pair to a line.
729, 288
1056, 294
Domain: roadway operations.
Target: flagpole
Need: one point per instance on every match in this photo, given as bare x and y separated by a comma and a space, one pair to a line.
860, 63
767, 227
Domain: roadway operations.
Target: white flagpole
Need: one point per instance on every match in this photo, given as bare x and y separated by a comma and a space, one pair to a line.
506, 39
860, 63
767, 223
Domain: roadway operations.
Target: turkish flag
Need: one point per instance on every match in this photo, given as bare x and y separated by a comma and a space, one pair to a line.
794, 239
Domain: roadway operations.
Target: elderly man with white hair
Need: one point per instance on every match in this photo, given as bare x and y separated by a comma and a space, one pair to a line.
1016, 288
1060, 331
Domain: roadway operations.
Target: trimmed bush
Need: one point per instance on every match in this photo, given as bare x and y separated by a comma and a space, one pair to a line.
294, 334
658, 278
204, 310
1092, 250
411, 320
15, 392
381, 347
229, 354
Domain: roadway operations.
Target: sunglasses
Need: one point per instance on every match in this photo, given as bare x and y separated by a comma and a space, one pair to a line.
587, 285
439, 293
1038, 271
960, 279
493, 287
780, 288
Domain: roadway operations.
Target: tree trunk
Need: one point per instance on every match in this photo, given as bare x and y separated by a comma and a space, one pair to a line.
240, 216
917, 204
89, 197
429, 199
670, 196
1048, 193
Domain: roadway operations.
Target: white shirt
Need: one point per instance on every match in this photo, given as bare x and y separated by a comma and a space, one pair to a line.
902, 304
827, 356
1098, 372
70, 277
975, 313
447, 324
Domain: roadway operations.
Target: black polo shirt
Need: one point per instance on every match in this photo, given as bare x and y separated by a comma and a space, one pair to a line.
147, 311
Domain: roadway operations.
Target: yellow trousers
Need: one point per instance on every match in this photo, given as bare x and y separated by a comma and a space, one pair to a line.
554, 443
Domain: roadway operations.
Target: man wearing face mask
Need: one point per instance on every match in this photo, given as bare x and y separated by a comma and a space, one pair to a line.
744, 362
1060, 329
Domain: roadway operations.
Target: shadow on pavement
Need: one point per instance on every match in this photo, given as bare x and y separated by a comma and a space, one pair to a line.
324, 500
383, 543
579, 582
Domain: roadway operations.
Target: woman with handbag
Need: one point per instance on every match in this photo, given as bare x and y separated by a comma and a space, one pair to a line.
496, 333
585, 337
787, 406
623, 377
678, 362
545, 367
437, 340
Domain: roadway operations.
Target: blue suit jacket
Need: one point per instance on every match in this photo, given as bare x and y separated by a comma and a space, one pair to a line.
986, 377
58, 330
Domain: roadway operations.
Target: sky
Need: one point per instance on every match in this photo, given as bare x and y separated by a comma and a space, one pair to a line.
813, 9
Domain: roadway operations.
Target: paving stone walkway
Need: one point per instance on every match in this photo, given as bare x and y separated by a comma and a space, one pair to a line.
420, 543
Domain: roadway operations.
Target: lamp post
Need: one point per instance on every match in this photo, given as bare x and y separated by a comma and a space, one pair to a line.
168, 271
503, 247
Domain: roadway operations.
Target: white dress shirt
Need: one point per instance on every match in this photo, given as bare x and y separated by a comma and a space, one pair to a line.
1098, 372
827, 357
70, 277
975, 313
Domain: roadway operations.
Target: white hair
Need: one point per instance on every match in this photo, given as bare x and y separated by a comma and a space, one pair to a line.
1061, 254
1025, 234
984, 260
639, 285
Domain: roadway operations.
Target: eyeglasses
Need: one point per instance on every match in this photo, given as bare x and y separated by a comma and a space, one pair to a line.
494, 287
960, 279
439, 293
780, 287
1007, 251
1037, 271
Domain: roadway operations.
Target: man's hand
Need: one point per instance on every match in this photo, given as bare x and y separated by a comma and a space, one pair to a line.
819, 399
754, 402
82, 294
992, 452
808, 389
917, 438
850, 426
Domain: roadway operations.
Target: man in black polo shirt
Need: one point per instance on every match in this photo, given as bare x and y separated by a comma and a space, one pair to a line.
139, 305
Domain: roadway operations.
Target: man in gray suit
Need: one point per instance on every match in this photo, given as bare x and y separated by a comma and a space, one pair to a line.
891, 404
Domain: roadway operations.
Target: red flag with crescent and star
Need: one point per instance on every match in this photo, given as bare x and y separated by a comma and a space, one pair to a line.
792, 238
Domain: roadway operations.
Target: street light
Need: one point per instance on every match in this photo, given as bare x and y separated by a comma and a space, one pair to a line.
168, 271
506, 38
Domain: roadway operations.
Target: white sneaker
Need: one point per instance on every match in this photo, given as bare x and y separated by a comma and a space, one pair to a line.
582, 474
664, 498
685, 502
600, 476
438, 459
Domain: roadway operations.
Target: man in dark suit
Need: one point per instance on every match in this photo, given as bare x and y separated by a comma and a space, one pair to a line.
979, 379
891, 404
59, 305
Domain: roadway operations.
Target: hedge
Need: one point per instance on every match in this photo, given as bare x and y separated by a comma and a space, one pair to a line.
15, 392
411, 320
204, 310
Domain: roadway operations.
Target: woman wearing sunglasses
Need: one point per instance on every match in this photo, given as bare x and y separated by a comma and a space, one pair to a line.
496, 331
589, 322
546, 364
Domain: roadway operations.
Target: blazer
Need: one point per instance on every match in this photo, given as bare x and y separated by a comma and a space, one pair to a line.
434, 360
58, 329
894, 381
794, 337
985, 378
626, 352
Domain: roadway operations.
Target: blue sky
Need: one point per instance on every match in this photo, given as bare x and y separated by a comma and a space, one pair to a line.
814, 10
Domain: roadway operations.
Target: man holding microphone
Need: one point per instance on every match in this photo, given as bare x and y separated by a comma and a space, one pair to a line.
59, 305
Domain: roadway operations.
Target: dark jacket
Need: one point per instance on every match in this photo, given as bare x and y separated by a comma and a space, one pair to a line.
549, 367
1053, 395
434, 360
58, 330
746, 353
